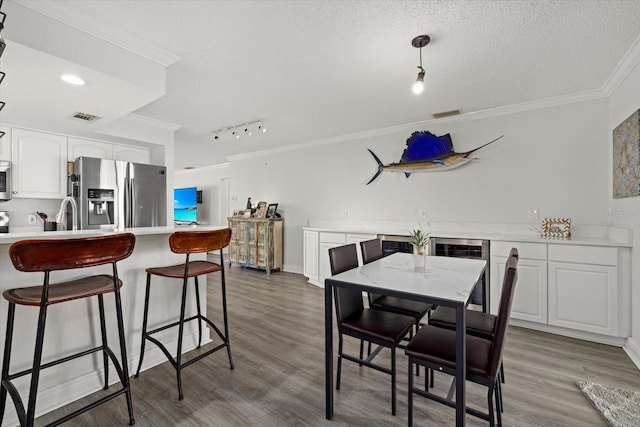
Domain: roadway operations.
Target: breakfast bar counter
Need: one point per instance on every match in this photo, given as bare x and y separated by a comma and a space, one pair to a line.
68, 327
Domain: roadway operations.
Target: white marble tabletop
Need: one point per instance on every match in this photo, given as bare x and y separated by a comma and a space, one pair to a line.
444, 278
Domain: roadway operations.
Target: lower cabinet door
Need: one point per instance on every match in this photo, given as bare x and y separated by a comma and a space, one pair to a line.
583, 297
530, 298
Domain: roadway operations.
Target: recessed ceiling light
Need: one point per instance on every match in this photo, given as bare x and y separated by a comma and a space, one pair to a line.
72, 79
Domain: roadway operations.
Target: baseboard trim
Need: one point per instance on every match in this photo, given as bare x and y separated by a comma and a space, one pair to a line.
632, 348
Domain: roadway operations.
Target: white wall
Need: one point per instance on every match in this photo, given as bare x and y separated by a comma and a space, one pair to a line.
626, 212
207, 179
552, 159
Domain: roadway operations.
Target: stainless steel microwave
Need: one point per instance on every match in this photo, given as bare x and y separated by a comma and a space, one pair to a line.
5, 180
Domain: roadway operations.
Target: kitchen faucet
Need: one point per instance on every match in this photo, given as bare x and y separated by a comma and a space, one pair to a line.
61, 217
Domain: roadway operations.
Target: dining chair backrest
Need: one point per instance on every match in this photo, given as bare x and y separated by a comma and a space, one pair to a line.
371, 250
348, 301
504, 312
190, 242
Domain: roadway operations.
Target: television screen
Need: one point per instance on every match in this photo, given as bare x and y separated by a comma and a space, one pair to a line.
185, 205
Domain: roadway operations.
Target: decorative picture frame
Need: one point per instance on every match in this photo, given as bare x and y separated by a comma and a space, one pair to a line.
261, 209
271, 210
556, 228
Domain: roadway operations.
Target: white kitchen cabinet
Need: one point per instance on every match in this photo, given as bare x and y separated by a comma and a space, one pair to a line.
5, 144
583, 289
131, 154
530, 300
310, 261
87, 148
39, 168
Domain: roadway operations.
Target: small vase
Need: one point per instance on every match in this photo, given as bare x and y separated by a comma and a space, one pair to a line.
419, 253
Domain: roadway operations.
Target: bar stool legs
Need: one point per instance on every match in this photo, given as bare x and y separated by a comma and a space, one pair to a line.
177, 363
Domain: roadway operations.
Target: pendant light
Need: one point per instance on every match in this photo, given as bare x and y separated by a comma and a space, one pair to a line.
420, 42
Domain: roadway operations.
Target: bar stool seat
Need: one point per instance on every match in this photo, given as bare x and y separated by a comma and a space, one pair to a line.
189, 242
196, 268
61, 292
47, 256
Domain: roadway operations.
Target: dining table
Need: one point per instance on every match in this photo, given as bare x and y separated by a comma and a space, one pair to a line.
443, 281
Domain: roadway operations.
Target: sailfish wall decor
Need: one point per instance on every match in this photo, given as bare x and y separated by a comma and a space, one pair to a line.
427, 152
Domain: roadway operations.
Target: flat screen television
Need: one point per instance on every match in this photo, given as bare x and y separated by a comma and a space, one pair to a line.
185, 207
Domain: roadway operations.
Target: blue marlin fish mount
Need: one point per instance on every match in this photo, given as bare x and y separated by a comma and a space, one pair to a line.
427, 152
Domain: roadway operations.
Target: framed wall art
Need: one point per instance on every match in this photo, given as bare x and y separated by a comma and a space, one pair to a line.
626, 158
556, 228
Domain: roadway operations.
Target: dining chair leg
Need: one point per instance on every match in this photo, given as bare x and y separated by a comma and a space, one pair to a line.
180, 331
199, 312
492, 421
502, 372
340, 341
393, 380
103, 333
144, 323
361, 351
498, 394
410, 396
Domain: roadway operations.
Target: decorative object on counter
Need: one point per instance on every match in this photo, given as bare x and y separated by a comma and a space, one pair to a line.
199, 196
426, 152
556, 228
420, 242
261, 210
50, 226
626, 158
271, 211
249, 203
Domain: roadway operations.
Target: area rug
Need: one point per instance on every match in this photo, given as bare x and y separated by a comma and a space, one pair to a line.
618, 407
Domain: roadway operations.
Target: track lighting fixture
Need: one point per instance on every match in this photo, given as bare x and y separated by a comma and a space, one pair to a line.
420, 42
245, 129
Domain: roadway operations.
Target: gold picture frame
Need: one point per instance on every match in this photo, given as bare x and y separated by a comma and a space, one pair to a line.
556, 228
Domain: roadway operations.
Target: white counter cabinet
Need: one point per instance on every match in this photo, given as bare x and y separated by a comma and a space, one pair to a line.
582, 291
530, 298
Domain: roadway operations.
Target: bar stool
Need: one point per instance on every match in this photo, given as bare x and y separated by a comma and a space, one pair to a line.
189, 242
64, 254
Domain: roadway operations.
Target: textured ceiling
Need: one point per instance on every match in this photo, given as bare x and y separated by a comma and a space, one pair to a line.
321, 69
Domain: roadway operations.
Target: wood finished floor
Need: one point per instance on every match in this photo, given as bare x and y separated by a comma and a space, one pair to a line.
277, 339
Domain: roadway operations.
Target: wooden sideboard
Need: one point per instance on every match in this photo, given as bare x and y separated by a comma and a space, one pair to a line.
256, 243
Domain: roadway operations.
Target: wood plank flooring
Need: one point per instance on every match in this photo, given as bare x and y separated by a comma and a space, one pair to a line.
277, 339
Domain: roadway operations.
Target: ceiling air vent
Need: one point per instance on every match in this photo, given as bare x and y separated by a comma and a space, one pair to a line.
84, 117
446, 114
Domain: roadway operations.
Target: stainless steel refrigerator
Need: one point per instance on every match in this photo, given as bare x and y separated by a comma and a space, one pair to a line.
114, 193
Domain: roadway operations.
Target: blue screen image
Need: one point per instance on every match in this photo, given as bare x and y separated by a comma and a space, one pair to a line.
185, 205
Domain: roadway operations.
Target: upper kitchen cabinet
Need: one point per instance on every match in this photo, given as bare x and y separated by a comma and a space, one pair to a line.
131, 154
87, 148
5, 143
39, 164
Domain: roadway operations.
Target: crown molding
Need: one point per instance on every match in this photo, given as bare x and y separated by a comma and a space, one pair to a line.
409, 127
204, 168
628, 62
102, 31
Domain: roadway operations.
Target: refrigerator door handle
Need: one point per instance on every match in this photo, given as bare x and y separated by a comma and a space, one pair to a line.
131, 215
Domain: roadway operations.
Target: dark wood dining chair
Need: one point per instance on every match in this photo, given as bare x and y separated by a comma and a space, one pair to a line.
189, 242
48, 256
382, 328
372, 251
435, 348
